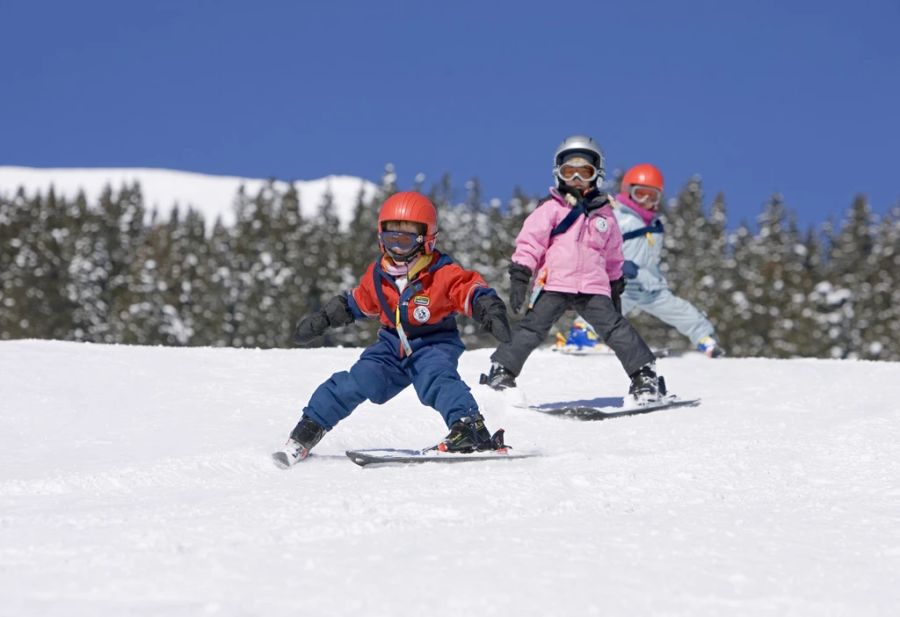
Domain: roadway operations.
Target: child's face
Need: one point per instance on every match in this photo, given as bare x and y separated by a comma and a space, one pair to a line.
402, 240
579, 173
646, 196
578, 183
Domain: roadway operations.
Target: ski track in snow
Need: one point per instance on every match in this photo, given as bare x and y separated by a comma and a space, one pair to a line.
137, 481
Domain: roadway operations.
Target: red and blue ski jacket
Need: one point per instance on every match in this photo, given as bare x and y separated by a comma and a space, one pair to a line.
424, 311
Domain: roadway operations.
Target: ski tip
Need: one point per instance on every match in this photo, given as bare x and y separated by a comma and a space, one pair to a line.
356, 458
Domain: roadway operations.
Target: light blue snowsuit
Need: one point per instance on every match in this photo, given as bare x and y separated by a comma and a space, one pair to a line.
646, 288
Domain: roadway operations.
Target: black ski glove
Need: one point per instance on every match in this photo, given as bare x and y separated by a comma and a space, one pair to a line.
519, 277
490, 312
334, 314
617, 288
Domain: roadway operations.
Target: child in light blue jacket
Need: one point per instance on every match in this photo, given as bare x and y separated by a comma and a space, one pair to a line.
646, 289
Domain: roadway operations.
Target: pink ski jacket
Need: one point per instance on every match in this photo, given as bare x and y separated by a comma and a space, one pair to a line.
583, 259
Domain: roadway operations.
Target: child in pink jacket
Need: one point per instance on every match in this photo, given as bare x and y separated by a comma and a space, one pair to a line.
572, 247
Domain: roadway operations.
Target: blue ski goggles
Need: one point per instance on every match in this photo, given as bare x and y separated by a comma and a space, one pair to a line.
401, 243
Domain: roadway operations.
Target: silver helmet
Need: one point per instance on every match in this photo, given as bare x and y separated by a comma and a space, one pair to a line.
580, 144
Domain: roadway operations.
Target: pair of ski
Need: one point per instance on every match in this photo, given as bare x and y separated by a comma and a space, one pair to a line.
593, 410
399, 456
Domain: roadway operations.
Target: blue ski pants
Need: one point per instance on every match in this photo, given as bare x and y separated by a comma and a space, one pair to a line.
380, 374
667, 307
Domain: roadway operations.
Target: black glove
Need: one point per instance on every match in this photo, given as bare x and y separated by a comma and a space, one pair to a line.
519, 277
617, 287
490, 312
630, 269
335, 313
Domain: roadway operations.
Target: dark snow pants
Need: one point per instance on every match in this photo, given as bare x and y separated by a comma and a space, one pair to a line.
613, 329
380, 374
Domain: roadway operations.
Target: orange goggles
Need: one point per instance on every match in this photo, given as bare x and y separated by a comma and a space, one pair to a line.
645, 195
570, 172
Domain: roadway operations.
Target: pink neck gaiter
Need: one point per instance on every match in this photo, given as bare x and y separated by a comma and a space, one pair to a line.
645, 214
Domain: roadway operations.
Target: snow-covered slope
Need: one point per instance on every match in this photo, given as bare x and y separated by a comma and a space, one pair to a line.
137, 481
163, 188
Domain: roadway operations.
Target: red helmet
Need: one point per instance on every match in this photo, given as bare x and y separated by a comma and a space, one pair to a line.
413, 207
644, 174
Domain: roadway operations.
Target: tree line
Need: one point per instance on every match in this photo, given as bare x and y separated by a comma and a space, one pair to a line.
112, 272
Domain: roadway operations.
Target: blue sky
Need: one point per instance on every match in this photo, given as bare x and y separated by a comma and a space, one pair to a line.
796, 97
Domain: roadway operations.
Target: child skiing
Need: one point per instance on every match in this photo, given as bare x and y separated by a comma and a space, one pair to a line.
581, 336
646, 288
572, 246
415, 291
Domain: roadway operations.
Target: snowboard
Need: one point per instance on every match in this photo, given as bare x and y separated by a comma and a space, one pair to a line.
393, 456
606, 412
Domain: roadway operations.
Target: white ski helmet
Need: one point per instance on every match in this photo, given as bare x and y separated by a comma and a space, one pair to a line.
580, 144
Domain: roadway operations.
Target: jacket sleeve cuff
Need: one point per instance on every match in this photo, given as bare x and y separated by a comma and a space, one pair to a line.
355, 311
474, 294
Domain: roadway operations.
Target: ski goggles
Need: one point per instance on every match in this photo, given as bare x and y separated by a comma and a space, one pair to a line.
645, 195
401, 243
569, 172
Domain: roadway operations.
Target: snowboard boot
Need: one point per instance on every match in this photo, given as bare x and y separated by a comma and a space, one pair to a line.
646, 387
305, 435
469, 434
498, 378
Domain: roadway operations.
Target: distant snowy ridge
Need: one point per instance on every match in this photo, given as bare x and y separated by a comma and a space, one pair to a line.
162, 189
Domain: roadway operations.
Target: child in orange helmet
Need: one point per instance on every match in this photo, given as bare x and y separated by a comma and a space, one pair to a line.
646, 289
415, 292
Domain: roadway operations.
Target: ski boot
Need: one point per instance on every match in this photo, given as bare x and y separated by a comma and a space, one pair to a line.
646, 387
305, 435
469, 434
710, 346
499, 378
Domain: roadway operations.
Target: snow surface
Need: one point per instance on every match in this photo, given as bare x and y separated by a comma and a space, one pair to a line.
163, 188
137, 481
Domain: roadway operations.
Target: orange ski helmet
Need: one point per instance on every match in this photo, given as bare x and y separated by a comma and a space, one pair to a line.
413, 207
644, 174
